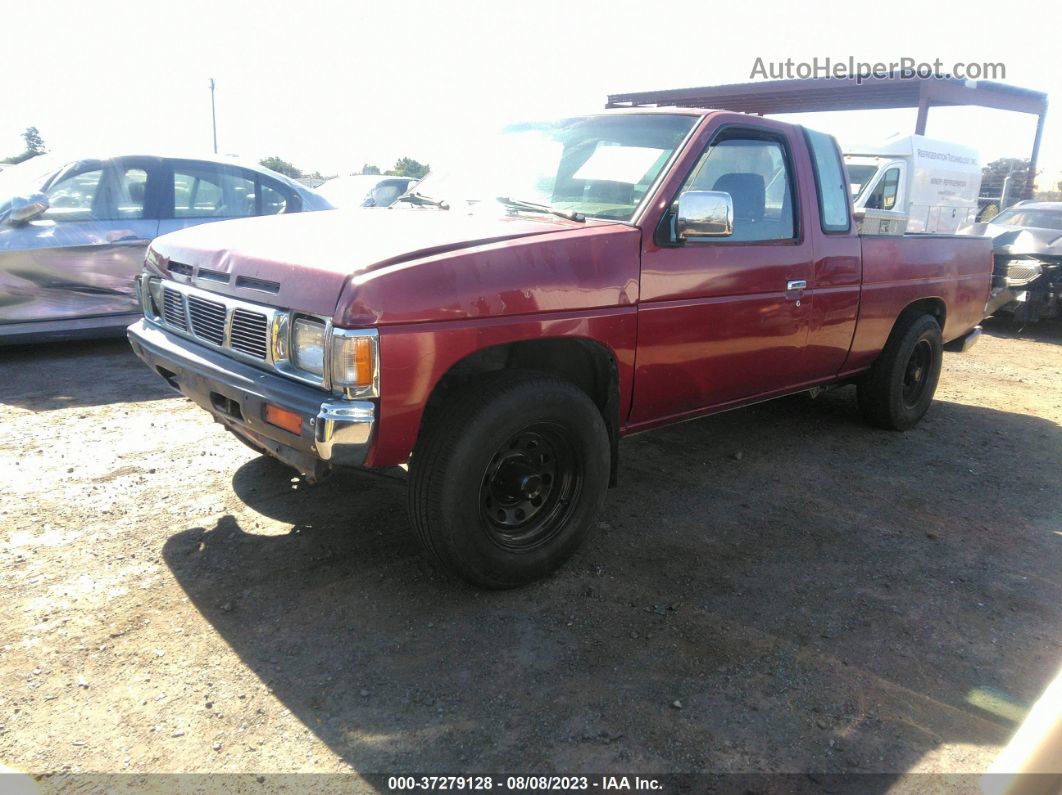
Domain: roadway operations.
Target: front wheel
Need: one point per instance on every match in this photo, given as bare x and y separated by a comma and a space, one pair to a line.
508, 477
897, 391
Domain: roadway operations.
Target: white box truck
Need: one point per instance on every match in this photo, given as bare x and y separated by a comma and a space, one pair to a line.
914, 184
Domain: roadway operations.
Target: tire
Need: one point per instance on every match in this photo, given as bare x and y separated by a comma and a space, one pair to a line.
899, 388
508, 476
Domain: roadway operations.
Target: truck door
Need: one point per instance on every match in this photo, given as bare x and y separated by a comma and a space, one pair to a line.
722, 319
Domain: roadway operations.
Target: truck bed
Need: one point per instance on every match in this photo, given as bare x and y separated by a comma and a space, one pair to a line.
899, 270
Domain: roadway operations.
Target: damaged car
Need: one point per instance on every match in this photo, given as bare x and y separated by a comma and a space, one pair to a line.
73, 232
1027, 248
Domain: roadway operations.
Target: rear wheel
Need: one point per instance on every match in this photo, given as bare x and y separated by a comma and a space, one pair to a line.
508, 476
898, 390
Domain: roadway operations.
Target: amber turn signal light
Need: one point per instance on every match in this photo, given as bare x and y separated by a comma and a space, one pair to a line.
352, 362
290, 421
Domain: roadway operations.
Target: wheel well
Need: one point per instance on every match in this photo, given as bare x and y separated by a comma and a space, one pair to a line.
585, 363
926, 306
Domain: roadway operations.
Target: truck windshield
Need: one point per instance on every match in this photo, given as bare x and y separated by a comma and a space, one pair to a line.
859, 177
594, 166
1038, 219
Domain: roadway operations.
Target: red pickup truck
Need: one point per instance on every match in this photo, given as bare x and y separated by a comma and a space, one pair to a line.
588, 278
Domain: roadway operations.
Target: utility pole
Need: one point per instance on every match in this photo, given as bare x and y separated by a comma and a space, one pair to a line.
213, 116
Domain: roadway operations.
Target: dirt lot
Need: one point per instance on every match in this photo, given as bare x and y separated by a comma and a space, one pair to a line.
778, 588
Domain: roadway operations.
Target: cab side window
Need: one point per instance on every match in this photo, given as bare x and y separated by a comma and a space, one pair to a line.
132, 192
831, 182
106, 192
756, 174
210, 191
884, 195
274, 202
74, 197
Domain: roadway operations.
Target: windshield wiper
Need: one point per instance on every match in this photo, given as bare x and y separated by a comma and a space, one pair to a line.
520, 204
420, 200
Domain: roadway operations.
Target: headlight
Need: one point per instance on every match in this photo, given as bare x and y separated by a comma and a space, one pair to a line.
1019, 272
354, 361
308, 345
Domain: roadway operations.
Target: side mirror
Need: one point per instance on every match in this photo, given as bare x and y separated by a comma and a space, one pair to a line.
704, 213
22, 210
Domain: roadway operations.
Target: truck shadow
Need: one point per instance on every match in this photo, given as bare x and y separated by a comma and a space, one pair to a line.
54, 375
776, 589
1004, 326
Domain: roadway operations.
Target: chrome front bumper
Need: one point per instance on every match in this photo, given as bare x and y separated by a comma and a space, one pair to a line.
333, 432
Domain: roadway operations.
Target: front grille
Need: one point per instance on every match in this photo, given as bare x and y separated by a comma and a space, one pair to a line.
241, 329
250, 333
208, 319
173, 308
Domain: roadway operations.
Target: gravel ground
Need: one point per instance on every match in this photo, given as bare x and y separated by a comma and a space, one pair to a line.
779, 588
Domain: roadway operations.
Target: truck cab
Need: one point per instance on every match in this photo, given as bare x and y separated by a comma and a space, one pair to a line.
592, 277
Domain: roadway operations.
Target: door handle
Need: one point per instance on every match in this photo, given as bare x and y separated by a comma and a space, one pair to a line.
796, 284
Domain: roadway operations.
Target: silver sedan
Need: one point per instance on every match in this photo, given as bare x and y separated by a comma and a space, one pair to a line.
73, 233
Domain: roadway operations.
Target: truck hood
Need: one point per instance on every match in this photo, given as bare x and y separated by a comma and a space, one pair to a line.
303, 261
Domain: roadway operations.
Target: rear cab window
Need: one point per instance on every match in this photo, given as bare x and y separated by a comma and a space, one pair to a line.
830, 182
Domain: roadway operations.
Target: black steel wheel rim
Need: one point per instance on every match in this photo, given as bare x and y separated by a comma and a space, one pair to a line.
916, 375
530, 486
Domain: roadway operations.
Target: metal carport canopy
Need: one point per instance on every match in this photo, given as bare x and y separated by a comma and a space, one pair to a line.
848, 93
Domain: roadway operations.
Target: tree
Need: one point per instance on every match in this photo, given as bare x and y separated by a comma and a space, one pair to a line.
281, 166
369, 169
408, 167
34, 146
34, 142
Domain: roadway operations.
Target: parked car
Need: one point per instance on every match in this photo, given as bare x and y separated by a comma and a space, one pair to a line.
73, 232
612, 273
365, 190
1027, 241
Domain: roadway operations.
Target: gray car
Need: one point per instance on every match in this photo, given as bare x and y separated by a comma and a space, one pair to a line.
73, 233
1027, 243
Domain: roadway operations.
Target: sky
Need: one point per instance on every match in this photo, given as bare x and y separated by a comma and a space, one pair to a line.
329, 86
